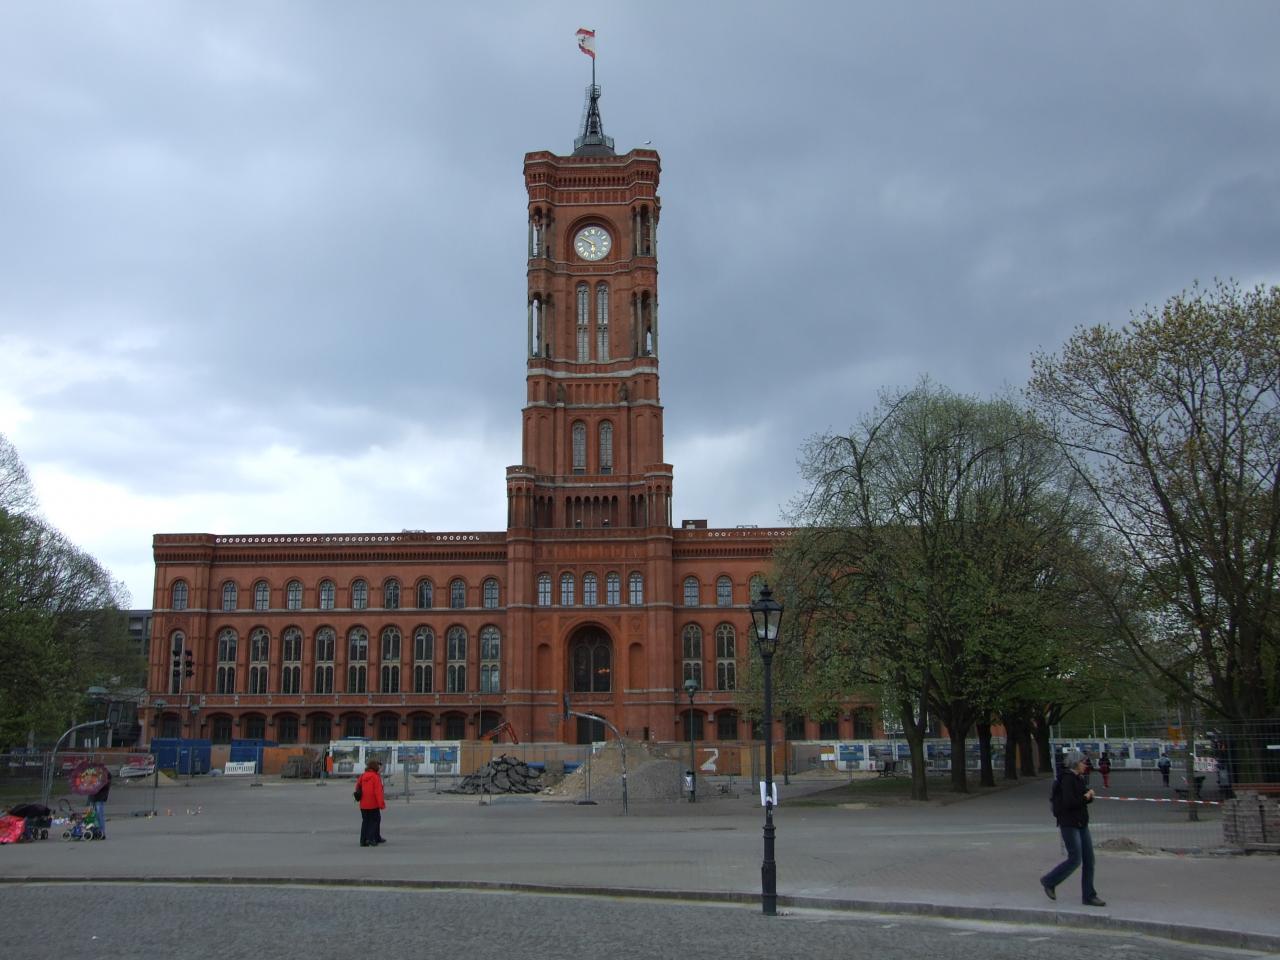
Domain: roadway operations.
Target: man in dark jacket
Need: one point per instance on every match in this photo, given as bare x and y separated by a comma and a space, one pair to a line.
1072, 797
99, 801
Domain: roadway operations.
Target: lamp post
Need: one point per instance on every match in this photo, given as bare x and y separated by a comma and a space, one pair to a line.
97, 696
691, 687
766, 614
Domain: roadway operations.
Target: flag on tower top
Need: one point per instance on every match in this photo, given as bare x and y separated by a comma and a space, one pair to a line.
587, 42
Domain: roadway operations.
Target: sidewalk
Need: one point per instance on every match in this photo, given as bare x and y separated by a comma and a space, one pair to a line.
977, 858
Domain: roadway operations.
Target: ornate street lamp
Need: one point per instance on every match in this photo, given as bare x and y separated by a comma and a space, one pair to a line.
691, 687
766, 615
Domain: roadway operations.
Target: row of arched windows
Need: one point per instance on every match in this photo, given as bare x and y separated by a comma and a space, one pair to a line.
417, 673
578, 447
693, 592
584, 322
326, 595
591, 590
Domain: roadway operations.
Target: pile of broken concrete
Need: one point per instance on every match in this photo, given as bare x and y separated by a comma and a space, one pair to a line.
502, 775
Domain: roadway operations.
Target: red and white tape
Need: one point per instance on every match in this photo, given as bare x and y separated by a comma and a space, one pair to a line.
1203, 803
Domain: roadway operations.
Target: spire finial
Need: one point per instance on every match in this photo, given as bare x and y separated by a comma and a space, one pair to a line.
592, 142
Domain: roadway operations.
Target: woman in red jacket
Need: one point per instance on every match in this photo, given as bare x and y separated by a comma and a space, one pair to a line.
372, 803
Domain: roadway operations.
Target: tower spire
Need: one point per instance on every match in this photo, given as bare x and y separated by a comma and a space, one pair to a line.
593, 142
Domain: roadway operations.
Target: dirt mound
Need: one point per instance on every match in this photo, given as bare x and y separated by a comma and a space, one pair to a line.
649, 776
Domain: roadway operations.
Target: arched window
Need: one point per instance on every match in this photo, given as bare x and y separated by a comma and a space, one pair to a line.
566, 589
229, 595
724, 592
457, 594
591, 659
602, 321
757, 582
691, 642
456, 660
424, 594
490, 658
391, 595
259, 650
584, 325
291, 661
179, 601
359, 595
691, 591
490, 592
726, 657
424, 654
326, 644
579, 433
226, 677
293, 595
590, 590
390, 661
261, 596
326, 594
613, 589
606, 447
357, 660
635, 591
544, 589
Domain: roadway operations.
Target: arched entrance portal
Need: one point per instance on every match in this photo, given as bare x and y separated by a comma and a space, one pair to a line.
590, 672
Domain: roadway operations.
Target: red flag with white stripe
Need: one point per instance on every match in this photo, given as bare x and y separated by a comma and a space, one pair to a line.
587, 42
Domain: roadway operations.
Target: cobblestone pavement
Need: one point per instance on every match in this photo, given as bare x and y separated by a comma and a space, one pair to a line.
978, 859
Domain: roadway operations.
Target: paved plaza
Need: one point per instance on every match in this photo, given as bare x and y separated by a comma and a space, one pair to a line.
977, 859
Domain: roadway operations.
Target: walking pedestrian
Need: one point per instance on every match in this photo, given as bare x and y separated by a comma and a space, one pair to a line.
1104, 768
372, 802
1224, 780
328, 764
99, 801
1164, 763
1070, 801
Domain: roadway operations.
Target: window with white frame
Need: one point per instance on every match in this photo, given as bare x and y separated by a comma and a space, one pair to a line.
566, 589
691, 643
425, 591
606, 447
457, 594
390, 661
226, 675
456, 660
424, 655
229, 596
261, 596
635, 585
726, 657
602, 321
490, 593
590, 590
579, 435
544, 589
326, 594
357, 660
291, 660
391, 595
490, 659
179, 593
724, 592
613, 589
584, 324
359, 595
293, 595
326, 644
690, 591
259, 651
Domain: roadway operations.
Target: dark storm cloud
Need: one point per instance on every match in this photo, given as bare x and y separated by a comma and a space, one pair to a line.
295, 232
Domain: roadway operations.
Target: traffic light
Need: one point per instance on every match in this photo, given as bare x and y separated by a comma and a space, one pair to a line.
188, 665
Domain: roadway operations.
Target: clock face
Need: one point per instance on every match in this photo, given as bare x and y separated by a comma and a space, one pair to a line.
592, 243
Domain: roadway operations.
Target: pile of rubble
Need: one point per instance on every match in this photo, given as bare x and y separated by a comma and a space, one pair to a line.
502, 775
650, 776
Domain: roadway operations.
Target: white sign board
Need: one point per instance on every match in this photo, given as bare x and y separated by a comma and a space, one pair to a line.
240, 768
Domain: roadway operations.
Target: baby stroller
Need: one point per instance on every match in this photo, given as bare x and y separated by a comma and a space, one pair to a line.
37, 820
81, 826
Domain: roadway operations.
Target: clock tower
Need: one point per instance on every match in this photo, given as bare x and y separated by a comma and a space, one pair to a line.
589, 527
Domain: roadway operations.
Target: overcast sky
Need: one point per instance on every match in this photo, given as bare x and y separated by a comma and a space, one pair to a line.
262, 265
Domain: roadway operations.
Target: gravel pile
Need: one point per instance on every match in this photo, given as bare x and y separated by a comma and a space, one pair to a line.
649, 777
